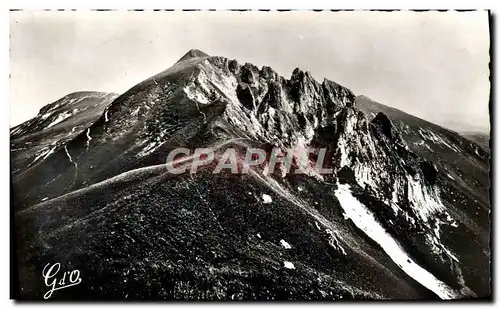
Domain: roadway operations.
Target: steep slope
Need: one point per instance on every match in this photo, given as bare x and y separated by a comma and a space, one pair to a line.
464, 163
55, 124
387, 222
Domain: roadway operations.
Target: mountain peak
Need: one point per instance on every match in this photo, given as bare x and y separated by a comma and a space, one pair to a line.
364, 97
193, 53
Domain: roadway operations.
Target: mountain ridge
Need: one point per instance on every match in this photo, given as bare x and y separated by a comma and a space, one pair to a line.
389, 205
365, 97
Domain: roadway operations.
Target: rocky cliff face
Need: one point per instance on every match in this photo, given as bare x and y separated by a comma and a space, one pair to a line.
386, 214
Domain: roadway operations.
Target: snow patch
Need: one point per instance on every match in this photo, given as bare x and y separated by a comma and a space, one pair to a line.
69, 156
89, 138
266, 198
59, 119
436, 138
366, 222
285, 244
72, 130
317, 225
334, 241
44, 153
288, 265
45, 116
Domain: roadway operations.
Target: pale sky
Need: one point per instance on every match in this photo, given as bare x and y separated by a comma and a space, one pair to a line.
432, 65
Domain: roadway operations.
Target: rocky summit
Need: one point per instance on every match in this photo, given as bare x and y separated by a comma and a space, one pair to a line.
404, 214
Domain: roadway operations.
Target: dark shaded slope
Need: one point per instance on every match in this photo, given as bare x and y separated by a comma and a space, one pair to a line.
189, 237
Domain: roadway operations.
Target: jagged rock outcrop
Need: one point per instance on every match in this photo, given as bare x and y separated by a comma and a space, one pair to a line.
384, 123
430, 172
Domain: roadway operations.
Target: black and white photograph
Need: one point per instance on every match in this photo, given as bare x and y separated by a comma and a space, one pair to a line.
250, 155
